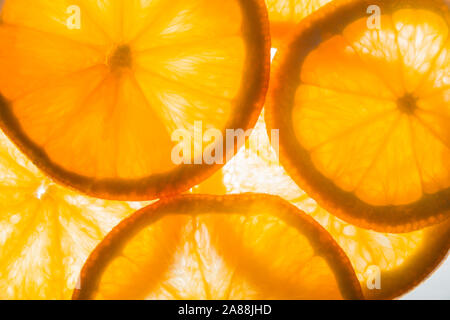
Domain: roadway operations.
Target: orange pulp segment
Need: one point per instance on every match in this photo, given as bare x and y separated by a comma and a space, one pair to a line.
46, 231
362, 105
211, 247
94, 92
285, 14
397, 262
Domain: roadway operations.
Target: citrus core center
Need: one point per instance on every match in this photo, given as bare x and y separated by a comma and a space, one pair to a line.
407, 104
120, 58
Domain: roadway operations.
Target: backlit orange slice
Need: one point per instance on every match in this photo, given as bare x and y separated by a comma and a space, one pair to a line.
387, 265
46, 231
94, 91
362, 104
210, 247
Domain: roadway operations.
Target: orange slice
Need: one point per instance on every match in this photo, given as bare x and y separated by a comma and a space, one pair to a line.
209, 247
95, 92
46, 231
362, 104
399, 262
284, 15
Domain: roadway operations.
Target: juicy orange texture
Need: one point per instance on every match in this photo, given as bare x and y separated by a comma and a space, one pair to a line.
285, 14
363, 110
401, 260
211, 247
46, 231
94, 103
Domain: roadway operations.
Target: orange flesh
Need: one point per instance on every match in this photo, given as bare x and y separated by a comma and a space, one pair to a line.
285, 14
191, 251
379, 141
394, 251
112, 92
110, 137
404, 259
46, 231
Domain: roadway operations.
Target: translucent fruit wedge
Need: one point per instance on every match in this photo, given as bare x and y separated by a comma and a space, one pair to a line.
387, 265
94, 92
284, 15
46, 231
212, 247
362, 104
